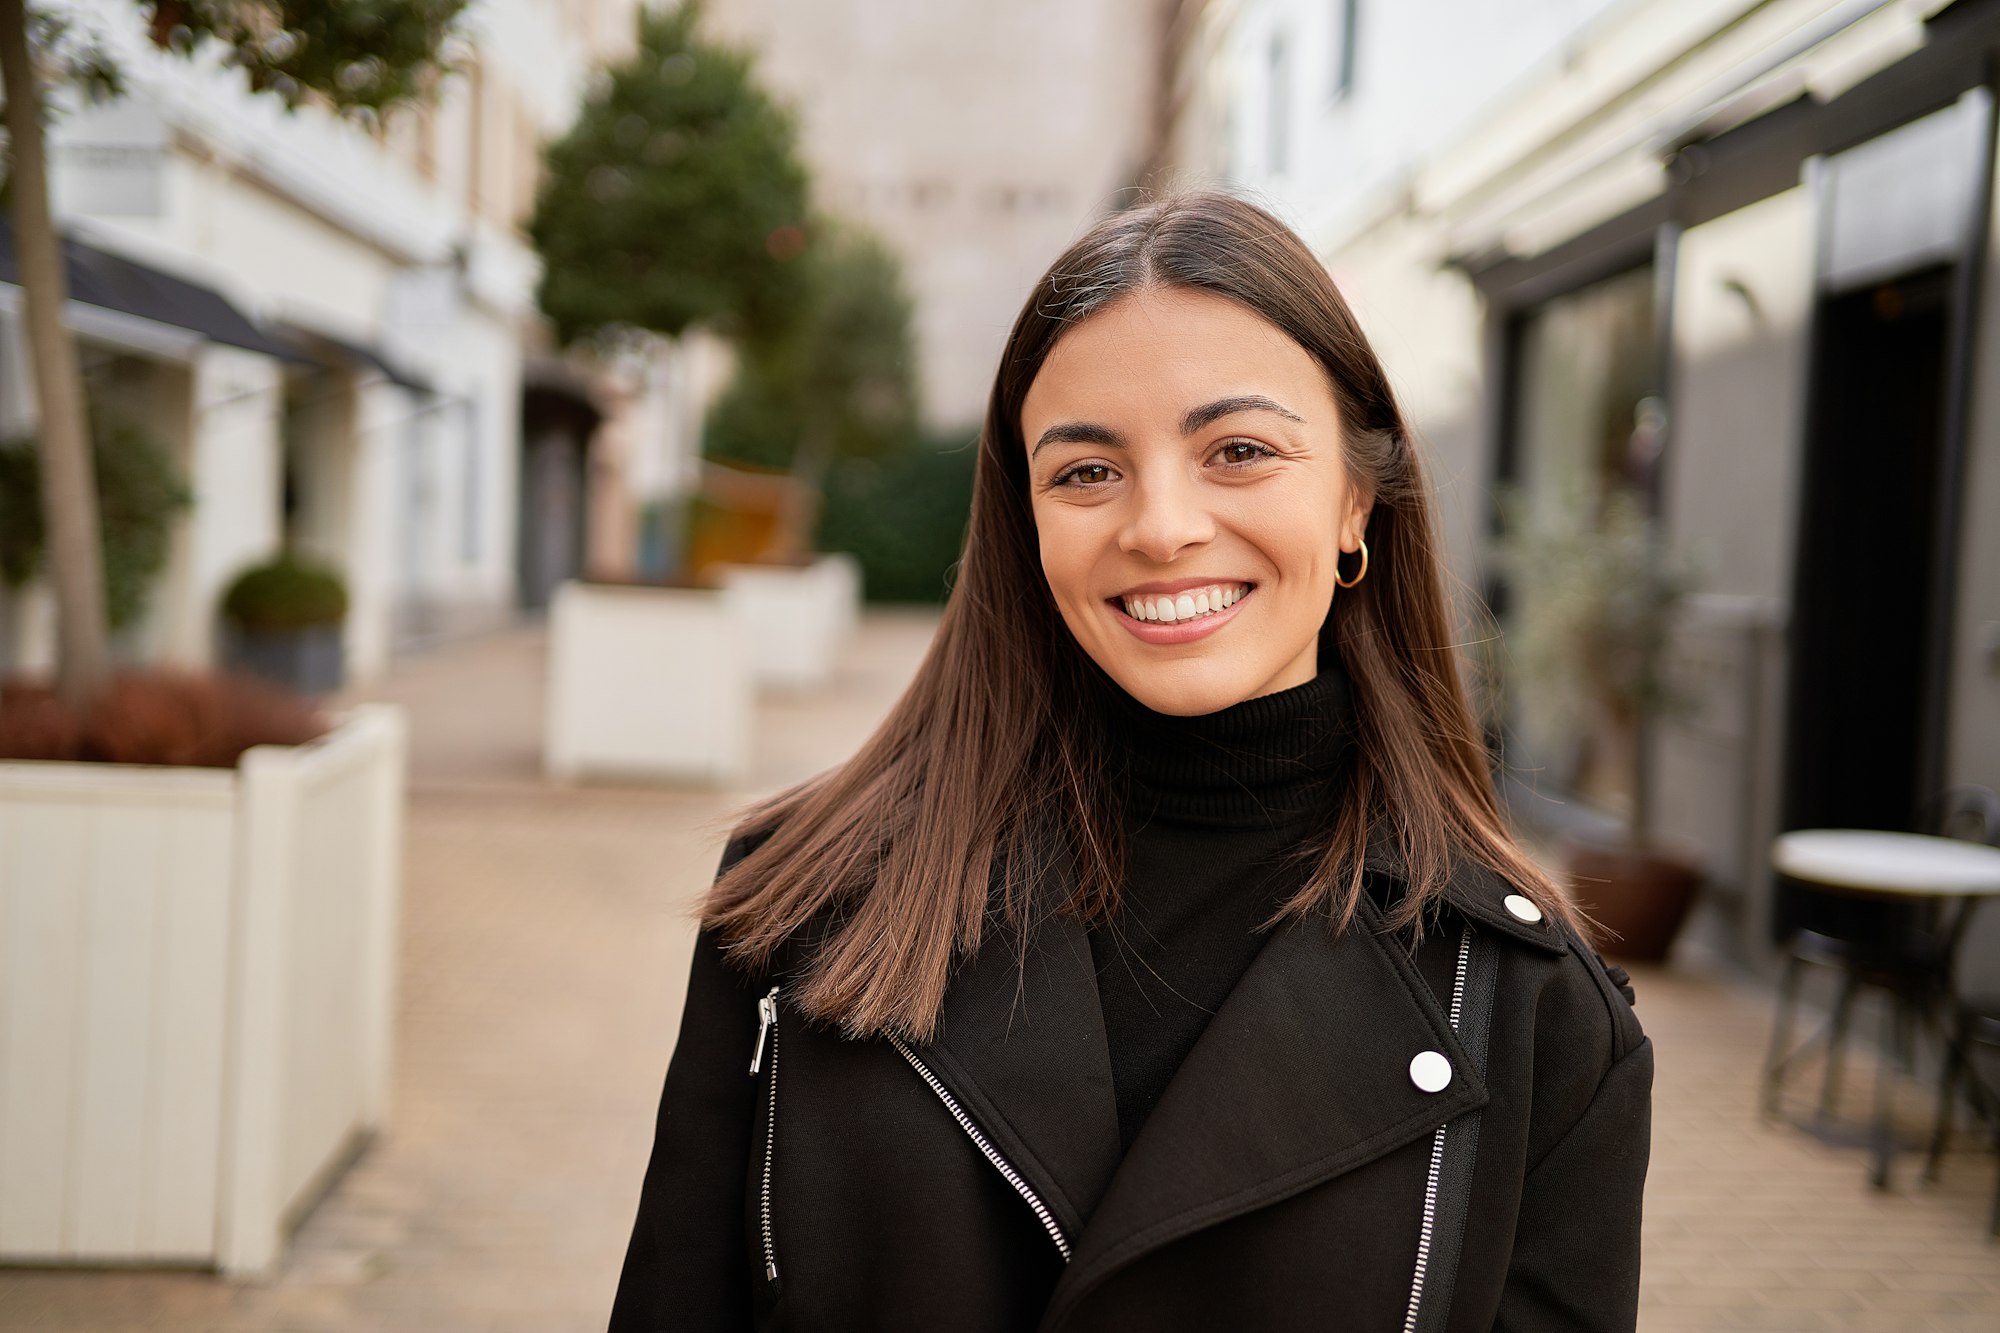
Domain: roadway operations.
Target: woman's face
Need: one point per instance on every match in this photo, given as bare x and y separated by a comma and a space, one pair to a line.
1189, 491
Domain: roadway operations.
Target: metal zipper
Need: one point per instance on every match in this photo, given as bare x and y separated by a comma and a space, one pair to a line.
1437, 1158
992, 1154
767, 1028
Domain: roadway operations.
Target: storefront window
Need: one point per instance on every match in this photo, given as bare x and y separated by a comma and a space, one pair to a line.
1587, 431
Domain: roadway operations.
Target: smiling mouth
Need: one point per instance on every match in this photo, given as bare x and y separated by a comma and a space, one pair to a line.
1187, 604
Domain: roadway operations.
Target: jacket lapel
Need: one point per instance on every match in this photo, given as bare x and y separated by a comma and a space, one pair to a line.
1022, 1047
1303, 1074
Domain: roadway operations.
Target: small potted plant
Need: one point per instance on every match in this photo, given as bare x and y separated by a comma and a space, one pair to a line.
1593, 599
283, 620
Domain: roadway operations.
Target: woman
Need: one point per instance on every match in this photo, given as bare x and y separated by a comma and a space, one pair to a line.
1162, 962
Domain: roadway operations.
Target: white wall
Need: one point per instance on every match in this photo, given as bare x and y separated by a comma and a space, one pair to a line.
1424, 73
979, 139
1742, 311
236, 475
379, 419
1427, 324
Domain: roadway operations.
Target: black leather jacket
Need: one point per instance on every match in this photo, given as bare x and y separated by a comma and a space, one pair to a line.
1368, 1135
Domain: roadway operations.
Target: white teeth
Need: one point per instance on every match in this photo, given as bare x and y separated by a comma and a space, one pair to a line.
1166, 610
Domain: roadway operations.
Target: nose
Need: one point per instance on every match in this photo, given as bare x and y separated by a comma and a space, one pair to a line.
1166, 518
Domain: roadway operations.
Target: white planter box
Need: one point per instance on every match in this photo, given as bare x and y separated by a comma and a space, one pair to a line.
795, 620
646, 683
196, 983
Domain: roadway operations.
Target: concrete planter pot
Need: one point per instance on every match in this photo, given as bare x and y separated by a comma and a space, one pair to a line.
196, 978
795, 619
1640, 898
646, 682
307, 661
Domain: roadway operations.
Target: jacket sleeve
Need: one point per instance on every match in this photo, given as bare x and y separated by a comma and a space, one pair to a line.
688, 1265
1575, 1264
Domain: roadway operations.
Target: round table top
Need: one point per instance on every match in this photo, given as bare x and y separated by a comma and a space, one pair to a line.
1911, 865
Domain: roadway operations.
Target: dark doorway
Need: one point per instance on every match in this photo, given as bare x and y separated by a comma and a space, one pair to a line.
556, 429
1866, 584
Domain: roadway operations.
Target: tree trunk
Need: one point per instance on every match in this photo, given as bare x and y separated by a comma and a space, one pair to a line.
69, 491
810, 468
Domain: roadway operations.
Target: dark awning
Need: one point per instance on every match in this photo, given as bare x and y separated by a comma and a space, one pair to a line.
326, 349
111, 282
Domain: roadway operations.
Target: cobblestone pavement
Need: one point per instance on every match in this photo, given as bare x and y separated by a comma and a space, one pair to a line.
544, 951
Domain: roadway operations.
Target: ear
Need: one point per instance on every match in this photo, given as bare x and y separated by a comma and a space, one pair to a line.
1354, 523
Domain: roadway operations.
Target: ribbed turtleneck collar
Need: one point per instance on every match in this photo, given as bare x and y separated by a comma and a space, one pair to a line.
1273, 761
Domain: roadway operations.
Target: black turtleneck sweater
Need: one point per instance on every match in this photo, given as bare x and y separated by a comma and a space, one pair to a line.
1215, 806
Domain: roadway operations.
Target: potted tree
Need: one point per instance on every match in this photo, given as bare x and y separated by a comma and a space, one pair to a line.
1592, 602
282, 622
678, 202
199, 888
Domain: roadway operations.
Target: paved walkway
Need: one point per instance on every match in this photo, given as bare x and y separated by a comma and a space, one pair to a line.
544, 951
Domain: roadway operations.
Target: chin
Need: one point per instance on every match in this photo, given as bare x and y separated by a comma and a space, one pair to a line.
1191, 693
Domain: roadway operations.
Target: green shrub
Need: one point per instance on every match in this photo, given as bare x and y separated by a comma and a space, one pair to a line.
676, 197
139, 495
288, 593
840, 374
903, 517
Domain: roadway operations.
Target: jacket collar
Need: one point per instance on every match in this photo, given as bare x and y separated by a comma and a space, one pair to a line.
1283, 1090
1021, 1044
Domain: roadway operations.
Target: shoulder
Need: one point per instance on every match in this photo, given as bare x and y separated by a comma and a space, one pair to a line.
742, 842
1548, 964
1561, 1018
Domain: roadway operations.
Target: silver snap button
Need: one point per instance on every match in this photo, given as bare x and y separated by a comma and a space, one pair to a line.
1430, 1071
1521, 909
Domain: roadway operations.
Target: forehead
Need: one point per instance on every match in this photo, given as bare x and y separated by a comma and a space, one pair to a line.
1150, 356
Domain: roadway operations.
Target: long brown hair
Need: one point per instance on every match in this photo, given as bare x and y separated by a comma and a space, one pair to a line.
992, 771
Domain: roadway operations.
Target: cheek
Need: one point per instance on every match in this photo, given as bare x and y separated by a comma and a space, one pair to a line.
1300, 541
1064, 563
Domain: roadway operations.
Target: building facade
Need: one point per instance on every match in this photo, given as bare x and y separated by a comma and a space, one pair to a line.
1729, 256
978, 140
400, 414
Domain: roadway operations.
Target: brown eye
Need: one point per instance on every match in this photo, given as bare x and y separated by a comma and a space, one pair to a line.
1242, 451
1085, 474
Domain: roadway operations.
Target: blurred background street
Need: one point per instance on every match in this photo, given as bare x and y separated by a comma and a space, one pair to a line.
454, 452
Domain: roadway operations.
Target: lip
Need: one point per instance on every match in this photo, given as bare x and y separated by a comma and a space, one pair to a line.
1179, 585
1181, 631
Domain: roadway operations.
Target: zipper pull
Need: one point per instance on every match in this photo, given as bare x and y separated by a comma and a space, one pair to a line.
767, 1018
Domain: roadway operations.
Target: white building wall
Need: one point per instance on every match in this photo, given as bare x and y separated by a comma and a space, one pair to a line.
1422, 75
235, 474
406, 241
381, 415
1742, 312
977, 139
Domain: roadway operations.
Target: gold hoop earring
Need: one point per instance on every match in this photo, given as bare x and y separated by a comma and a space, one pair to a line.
1359, 574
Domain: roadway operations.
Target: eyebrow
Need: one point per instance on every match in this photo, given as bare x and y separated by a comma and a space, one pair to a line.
1086, 432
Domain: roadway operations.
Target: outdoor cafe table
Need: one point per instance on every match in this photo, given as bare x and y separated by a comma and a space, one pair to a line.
1905, 867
